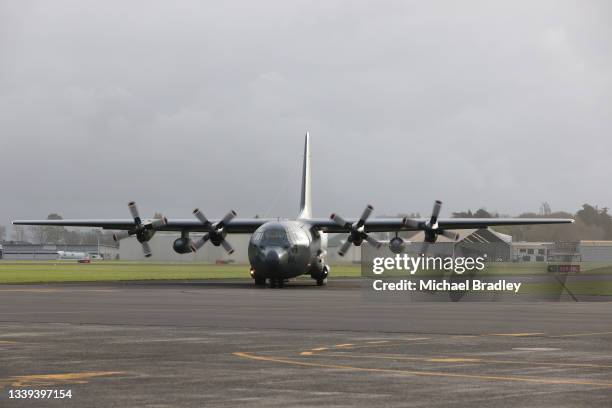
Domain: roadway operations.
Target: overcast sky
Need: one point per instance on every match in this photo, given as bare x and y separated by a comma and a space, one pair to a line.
178, 104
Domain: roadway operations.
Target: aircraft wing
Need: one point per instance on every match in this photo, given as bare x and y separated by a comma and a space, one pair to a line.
236, 225
403, 224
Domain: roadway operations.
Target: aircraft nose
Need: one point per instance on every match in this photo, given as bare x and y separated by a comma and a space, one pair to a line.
272, 258
275, 256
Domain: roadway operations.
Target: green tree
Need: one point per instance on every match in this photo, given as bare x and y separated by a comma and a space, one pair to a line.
480, 213
44, 234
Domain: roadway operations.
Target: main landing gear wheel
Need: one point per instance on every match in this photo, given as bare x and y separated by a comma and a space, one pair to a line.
321, 278
272, 282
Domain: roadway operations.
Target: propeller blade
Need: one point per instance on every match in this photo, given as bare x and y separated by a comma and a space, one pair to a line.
364, 216
228, 217
340, 221
146, 248
200, 243
345, 247
435, 212
450, 235
373, 241
134, 212
120, 235
159, 223
200, 216
226, 245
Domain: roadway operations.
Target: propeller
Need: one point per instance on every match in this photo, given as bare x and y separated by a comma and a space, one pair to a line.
357, 232
216, 233
144, 231
431, 228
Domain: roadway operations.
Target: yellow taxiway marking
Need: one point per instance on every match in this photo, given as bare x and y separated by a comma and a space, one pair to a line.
467, 360
515, 334
7, 342
416, 338
57, 290
54, 379
556, 381
583, 334
452, 360
355, 346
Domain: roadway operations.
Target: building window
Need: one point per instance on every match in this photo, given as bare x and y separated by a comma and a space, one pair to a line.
539, 258
530, 251
522, 250
540, 252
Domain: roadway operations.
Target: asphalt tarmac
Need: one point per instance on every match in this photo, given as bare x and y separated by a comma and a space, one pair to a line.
229, 344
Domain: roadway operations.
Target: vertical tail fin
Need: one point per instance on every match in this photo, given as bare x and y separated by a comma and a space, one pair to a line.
305, 200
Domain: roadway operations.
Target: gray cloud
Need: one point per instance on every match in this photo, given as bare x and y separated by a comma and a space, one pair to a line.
184, 104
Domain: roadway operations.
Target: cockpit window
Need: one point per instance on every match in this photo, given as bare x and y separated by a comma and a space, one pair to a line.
279, 236
297, 236
274, 237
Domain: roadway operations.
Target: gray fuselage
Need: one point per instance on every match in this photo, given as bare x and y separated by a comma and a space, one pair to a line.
286, 249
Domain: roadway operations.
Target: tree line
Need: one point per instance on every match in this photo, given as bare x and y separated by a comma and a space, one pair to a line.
591, 223
43, 234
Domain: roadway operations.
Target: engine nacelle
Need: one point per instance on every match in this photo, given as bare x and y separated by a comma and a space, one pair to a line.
145, 236
396, 245
182, 245
431, 236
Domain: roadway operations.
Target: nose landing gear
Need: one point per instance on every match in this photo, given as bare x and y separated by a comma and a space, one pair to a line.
277, 282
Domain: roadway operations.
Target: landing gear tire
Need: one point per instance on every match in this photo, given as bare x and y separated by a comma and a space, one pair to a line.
321, 281
277, 283
260, 281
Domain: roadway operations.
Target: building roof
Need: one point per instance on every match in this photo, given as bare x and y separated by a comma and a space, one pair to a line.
482, 236
596, 243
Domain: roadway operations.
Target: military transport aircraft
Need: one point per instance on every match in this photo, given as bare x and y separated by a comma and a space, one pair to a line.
279, 250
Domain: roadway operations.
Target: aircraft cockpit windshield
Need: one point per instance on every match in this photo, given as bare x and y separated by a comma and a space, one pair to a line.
276, 237
280, 237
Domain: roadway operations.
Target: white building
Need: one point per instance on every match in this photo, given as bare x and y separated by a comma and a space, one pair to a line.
531, 251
